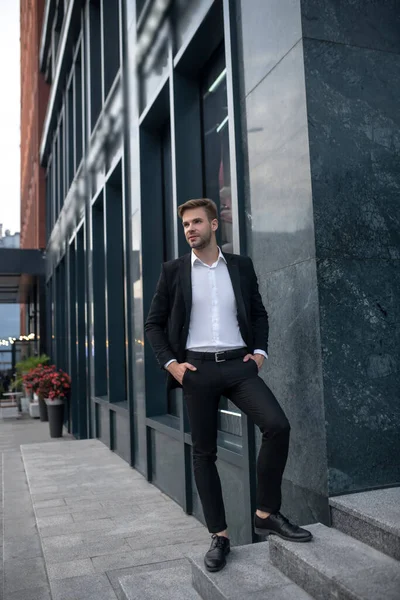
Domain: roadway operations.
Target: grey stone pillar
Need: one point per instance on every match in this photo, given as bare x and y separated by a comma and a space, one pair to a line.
322, 112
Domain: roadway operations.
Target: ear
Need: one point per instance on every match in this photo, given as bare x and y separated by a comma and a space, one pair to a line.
214, 224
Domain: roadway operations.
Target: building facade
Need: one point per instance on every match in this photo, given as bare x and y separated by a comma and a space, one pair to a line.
9, 313
34, 98
285, 114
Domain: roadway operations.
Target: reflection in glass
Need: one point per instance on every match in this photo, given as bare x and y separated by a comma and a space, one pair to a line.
217, 180
217, 175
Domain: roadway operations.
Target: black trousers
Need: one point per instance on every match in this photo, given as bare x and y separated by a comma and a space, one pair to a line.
238, 381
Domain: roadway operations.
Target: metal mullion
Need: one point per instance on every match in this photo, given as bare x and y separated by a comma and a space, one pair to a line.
234, 119
62, 155
186, 476
85, 72
106, 288
127, 215
57, 199
102, 74
73, 334
173, 142
88, 326
90, 300
82, 372
85, 66
68, 308
237, 189
53, 191
127, 287
74, 165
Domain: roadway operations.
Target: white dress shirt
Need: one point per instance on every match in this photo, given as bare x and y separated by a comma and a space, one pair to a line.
213, 319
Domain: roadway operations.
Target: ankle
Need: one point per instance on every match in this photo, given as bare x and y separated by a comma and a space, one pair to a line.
223, 534
262, 514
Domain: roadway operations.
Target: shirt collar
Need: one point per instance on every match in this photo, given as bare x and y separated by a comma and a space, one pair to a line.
195, 258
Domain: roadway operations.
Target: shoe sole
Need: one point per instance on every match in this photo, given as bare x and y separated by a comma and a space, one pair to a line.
216, 569
267, 532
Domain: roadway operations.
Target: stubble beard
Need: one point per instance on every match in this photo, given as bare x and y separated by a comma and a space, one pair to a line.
201, 243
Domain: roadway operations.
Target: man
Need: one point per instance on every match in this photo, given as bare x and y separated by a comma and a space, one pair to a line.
209, 329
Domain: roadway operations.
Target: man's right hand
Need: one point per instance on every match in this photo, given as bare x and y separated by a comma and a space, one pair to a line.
177, 370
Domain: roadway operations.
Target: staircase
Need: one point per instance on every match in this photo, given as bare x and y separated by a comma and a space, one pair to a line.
356, 559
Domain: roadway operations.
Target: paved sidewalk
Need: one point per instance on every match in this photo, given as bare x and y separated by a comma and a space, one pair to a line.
94, 518
25, 430
14, 494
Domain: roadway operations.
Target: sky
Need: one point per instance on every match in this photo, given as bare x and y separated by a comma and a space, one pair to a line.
9, 115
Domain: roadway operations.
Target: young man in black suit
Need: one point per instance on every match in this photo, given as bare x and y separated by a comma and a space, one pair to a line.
209, 329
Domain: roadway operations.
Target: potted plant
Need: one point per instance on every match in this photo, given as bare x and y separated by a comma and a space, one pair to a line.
32, 381
24, 366
54, 387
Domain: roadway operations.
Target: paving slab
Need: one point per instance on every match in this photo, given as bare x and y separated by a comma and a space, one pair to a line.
18, 549
71, 528
24, 574
371, 517
85, 550
133, 558
84, 587
338, 566
69, 568
42, 593
248, 574
177, 536
172, 583
116, 575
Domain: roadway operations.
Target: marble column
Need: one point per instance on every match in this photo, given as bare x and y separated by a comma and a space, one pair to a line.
321, 80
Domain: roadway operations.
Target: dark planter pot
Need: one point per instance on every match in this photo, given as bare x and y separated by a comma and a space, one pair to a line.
55, 410
43, 410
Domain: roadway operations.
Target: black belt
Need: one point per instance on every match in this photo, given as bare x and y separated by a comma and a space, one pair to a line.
220, 356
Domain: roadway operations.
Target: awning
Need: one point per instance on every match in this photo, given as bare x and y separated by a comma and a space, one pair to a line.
19, 271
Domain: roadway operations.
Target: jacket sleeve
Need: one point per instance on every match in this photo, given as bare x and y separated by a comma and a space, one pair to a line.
156, 322
259, 316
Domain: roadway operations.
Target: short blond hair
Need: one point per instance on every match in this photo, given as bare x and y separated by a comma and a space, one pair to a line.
209, 206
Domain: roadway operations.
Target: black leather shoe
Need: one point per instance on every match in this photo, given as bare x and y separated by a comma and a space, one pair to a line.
277, 524
215, 558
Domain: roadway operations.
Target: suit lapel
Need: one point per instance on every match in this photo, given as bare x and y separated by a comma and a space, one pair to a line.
186, 282
233, 269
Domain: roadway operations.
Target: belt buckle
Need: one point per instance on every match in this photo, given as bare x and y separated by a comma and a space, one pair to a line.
216, 356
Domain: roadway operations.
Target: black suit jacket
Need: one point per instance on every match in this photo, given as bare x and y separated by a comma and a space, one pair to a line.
167, 324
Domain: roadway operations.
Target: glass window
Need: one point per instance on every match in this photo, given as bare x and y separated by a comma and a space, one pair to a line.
70, 135
217, 180
111, 37
217, 175
95, 61
78, 120
168, 226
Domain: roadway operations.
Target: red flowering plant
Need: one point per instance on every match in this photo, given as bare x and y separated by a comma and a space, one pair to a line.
54, 384
33, 378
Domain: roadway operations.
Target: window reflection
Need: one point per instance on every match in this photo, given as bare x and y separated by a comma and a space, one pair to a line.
217, 175
217, 182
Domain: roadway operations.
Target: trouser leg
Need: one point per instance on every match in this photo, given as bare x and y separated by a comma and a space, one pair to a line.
255, 399
202, 403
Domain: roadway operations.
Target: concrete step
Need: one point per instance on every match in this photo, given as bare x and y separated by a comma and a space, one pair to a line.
248, 574
172, 583
371, 517
335, 565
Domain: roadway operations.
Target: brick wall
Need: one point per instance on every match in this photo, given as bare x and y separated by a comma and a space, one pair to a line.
34, 98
